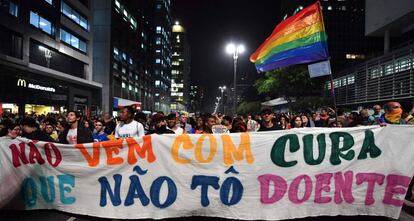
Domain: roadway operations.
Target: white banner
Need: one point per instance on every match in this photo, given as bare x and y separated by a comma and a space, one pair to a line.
270, 175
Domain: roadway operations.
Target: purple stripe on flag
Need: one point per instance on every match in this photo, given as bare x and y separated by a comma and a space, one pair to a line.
307, 54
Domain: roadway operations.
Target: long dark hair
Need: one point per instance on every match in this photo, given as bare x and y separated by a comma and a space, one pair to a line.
7, 125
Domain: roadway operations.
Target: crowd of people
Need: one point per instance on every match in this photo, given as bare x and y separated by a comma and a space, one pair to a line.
74, 128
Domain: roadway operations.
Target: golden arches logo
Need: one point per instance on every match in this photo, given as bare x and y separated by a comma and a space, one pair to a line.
21, 83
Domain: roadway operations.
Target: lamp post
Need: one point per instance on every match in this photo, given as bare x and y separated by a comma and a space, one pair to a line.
234, 50
222, 89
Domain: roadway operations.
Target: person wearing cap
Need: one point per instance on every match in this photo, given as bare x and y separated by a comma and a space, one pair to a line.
267, 121
159, 125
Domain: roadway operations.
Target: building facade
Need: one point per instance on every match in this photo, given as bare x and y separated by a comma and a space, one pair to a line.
180, 72
390, 75
46, 57
163, 52
123, 46
196, 98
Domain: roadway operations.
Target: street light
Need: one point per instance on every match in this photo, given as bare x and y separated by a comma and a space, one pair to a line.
222, 89
235, 51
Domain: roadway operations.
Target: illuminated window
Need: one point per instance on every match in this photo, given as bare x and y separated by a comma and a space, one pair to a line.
72, 40
74, 15
13, 9
41, 23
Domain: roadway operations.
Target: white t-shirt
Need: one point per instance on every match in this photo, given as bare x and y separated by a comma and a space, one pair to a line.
177, 131
72, 136
133, 129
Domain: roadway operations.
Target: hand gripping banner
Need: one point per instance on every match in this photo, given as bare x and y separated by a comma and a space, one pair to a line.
270, 175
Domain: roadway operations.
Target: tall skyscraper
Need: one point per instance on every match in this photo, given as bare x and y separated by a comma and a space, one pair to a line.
163, 51
46, 57
180, 73
123, 46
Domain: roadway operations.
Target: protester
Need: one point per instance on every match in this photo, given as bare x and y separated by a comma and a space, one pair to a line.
208, 125
172, 124
184, 124
284, 122
141, 117
76, 133
10, 130
393, 114
374, 118
296, 122
323, 120
227, 122
50, 131
99, 135
128, 127
267, 121
109, 123
364, 117
252, 125
88, 124
200, 125
239, 127
407, 107
31, 130
305, 121
159, 125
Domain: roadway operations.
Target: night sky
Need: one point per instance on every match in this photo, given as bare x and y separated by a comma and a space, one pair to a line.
210, 25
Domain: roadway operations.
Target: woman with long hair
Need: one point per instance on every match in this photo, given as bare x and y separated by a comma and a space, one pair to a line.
284, 122
296, 122
10, 130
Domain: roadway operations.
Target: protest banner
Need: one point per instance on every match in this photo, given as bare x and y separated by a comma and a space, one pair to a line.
269, 175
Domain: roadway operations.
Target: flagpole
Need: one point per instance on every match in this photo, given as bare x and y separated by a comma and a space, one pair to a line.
334, 98
332, 83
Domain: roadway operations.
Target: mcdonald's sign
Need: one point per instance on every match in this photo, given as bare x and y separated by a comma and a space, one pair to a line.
21, 83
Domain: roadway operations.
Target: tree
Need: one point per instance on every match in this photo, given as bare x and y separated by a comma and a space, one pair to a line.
291, 82
247, 107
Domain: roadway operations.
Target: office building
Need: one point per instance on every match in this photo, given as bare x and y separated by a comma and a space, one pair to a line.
163, 52
46, 57
180, 72
123, 50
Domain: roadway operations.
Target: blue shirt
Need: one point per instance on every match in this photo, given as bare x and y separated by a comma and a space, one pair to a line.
100, 137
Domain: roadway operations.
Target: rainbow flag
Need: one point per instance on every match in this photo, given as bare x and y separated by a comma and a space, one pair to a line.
298, 39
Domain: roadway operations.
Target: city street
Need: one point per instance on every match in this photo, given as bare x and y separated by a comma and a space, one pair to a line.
207, 110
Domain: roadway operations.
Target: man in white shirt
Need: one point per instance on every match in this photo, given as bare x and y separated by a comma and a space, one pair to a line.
128, 127
172, 124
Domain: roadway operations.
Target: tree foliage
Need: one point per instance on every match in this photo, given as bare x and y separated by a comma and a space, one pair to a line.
247, 107
290, 82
